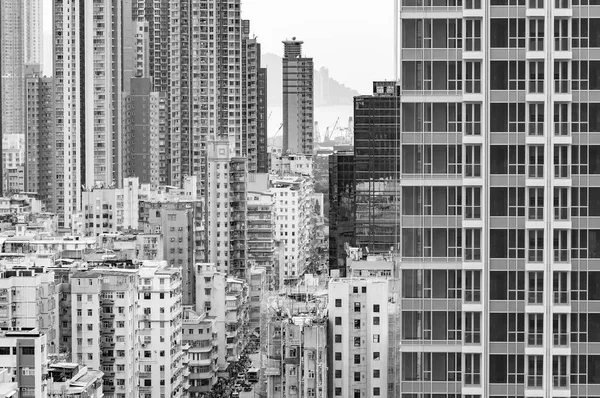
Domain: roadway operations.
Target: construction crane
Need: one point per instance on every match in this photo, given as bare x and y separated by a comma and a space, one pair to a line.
278, 130
329, 133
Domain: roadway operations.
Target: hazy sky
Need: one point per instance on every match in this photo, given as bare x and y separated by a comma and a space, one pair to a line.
353, 38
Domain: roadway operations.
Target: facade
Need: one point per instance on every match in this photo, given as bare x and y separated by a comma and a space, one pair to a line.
261, 227
298, 164
226, 299
297, 357
104, 326
363, 338
160, 311
25, 358
110, 209
13, 158
141, 125
40, 144
29, 301
294, 224
258, 289
341, 209
262, 114
200, 341
177, 222
376, 167
298, 104
226, 229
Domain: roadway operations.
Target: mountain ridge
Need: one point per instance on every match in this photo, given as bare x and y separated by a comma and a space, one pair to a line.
327, 91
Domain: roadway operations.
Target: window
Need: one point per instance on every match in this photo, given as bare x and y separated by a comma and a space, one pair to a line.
559, 287
338, 338
536, 245
473, 203
536, 77
472, 286
473, 77
561, 161
472, 369
579, 159
580, 77
472, 244
357, 306
561, 34
536, 287
375, 307
473, 35
472, 161
338, 303
559, 371
535, 370
376, 356
536, 34
473, 119
559, 329
561, 77
338, 391
376, 320
561, 206
473, 4
535, 334
338, 356
376, 391
356, 376
561, 245
536, 203
376, 373
561, 119
472, 327
338, 320
356, 341
356, 359
536, 4
375, 338
536, 161
536, 119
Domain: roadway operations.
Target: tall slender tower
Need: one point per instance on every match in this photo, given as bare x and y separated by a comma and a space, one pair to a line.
500, 197
298, 103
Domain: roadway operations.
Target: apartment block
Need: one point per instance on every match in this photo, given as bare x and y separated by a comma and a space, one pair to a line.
298, 104
29, 301
226, 229
294, 225
226, 299
161, 363
178, 222
261, 244
24, 356
200, 345
142, 110
297, 356
104, 327
39, 136
258, 289
110, 209
362, 341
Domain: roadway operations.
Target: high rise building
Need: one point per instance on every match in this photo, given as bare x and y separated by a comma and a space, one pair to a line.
32, 32
499, 195
26, 359
142, 110
262, 114
40, 145
298, 104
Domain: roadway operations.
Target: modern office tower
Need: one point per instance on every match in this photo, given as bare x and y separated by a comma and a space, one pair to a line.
201, 350
24, 355
226, 299
261, 243
341, 209
298, 105
12, 35
104, 326
160, 331
500, 185
111, 210
226, 210
376, 167
40, 141
293, 224
28, 301
177, 221
262, 114
74, 380
141, 125
362, 349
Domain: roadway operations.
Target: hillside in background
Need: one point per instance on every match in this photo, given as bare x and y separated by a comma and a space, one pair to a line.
328, 91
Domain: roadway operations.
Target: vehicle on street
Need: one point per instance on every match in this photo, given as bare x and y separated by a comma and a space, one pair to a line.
253, 375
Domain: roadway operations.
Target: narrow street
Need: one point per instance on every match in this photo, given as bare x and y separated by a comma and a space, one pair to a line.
255, 363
